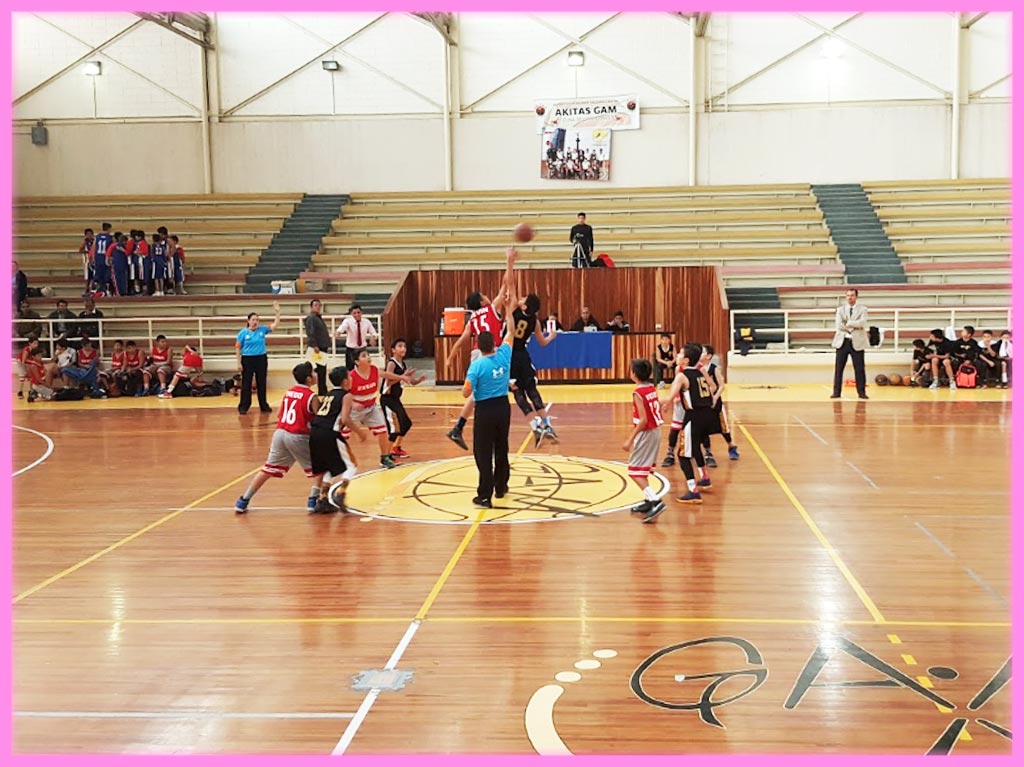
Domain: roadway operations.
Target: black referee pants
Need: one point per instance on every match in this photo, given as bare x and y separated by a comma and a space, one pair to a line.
490, 445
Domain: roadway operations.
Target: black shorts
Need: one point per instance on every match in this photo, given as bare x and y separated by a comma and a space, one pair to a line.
697, 424
323, 451
521, 370
715, 424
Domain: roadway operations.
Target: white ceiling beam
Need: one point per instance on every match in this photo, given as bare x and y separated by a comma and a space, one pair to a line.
508, 82
160, 21
966, 23
293, 72
79, 60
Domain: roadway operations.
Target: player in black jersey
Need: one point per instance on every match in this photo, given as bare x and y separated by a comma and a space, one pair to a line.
721, 424
695, 388
328, 451
395, 374
523, 376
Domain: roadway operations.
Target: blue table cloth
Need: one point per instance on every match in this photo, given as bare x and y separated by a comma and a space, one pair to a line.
574, 351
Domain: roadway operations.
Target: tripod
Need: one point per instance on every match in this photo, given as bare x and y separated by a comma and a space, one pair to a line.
580, 259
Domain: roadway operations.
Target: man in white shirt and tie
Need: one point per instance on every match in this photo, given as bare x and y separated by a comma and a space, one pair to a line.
851, 339
357, 330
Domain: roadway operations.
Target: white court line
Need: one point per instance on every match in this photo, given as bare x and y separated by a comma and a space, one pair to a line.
812, 431
49, 449
971, 574
865, 476
371, 696
175, 715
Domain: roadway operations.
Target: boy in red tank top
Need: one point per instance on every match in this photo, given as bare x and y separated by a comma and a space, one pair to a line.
290, 442
365, 377
642, 444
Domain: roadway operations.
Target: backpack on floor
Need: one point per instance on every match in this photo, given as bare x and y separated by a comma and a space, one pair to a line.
213, 389
967, 376
69, 395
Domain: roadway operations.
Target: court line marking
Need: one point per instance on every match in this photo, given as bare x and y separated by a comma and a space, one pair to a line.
833, 554
128, 539
812, 431
176, 715
457, 619
371, 696
865, 477
539, 721
49, 449
971, 574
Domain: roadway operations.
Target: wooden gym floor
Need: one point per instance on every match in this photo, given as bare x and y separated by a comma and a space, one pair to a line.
843, 588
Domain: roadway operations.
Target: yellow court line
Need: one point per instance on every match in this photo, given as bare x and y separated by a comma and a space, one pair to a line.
854, 583
128, 539
442, 579
480, 619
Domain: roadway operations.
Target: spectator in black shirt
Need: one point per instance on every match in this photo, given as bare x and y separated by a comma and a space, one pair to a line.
584, 233
618, 323
584, 320
988, 360
89, 329
920, 365
940, 356
967, 348
30, 323
66, 325
19, 285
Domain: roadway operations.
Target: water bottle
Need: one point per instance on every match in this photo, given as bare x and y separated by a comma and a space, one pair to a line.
441, 331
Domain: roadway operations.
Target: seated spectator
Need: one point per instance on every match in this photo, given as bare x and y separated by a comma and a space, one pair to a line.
85, 370
939, 356
64, 356
66, 323
40, 386
85, 250
1005, 353
585, 320
21, 367
618, 323
90, 329
965, 349
30, 324
20, 285
161, 359
191, 368
553, 318
988, 361
920, 366
665, 359
134, 362
111, 380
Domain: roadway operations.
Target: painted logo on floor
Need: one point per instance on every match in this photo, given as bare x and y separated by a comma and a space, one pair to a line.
541, 488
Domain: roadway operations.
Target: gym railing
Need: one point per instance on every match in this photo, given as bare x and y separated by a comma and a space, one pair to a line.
899, 326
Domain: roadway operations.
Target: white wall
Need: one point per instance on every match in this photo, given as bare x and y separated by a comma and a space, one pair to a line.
784, 106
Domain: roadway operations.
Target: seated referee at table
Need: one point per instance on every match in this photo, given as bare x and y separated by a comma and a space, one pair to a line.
487, 382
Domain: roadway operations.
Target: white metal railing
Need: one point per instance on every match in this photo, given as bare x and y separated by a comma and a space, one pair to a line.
199, 330
893, 322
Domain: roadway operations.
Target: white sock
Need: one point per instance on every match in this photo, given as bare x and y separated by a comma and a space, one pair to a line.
649, 494
315, 491
535, 422
691, 484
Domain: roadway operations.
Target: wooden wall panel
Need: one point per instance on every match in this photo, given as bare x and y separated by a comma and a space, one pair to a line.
687, 301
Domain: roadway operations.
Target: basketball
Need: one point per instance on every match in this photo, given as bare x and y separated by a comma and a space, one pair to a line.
882, 379
523, 233
896, 380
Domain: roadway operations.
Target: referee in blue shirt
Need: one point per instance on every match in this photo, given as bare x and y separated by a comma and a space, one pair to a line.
487, 381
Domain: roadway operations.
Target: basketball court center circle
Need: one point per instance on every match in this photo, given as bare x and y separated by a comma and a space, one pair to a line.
542, 488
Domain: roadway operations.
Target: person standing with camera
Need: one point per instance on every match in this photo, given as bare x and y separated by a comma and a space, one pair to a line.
582, 239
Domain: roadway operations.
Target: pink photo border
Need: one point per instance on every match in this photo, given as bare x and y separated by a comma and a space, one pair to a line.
507, 5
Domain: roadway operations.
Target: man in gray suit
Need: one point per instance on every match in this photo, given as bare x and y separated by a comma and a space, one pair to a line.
851, 339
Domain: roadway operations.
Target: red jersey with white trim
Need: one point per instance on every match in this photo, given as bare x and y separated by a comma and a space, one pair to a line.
649, 396
86, 357
36, 371
160, 357
364, 390
487, 319
296, 413
25, 355
191, 359
133, 361
118, 361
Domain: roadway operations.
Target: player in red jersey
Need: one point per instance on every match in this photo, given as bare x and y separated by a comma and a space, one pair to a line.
26, 354
113, 379
290, 442
191, 368
365, 378
161, 358
642, 444
486, 316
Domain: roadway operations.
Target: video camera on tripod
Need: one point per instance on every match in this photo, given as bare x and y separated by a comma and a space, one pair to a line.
580, 258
